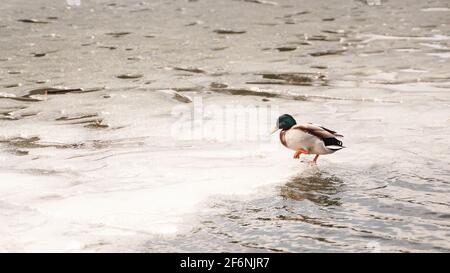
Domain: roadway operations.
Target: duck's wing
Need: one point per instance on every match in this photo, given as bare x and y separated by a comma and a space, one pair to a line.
317, 130
328, 130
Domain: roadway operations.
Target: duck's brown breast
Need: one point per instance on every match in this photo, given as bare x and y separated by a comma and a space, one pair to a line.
283, 138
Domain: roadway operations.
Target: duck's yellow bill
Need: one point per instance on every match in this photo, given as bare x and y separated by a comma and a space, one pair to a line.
274, 130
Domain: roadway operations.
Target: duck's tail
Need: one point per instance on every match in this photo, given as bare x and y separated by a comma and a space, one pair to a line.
333, 144
335, 148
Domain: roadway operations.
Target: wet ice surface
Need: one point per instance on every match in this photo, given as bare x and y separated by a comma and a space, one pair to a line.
93, 164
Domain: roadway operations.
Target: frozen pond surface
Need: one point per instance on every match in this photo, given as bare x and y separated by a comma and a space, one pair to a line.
94, 99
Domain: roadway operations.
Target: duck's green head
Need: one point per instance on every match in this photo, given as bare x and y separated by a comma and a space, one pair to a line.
285, 122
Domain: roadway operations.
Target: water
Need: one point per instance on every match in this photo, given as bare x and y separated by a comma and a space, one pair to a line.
112, 165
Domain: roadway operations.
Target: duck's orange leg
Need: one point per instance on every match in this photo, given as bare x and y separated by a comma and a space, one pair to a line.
299, 152
315, 158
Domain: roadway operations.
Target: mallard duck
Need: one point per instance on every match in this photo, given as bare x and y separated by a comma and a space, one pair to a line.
307, 138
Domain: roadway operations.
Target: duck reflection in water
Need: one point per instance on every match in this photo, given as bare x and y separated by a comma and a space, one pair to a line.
315, 186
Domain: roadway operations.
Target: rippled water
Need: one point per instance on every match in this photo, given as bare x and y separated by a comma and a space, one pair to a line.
93, 102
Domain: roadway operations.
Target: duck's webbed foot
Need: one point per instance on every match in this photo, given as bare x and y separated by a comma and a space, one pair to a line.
299, 152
